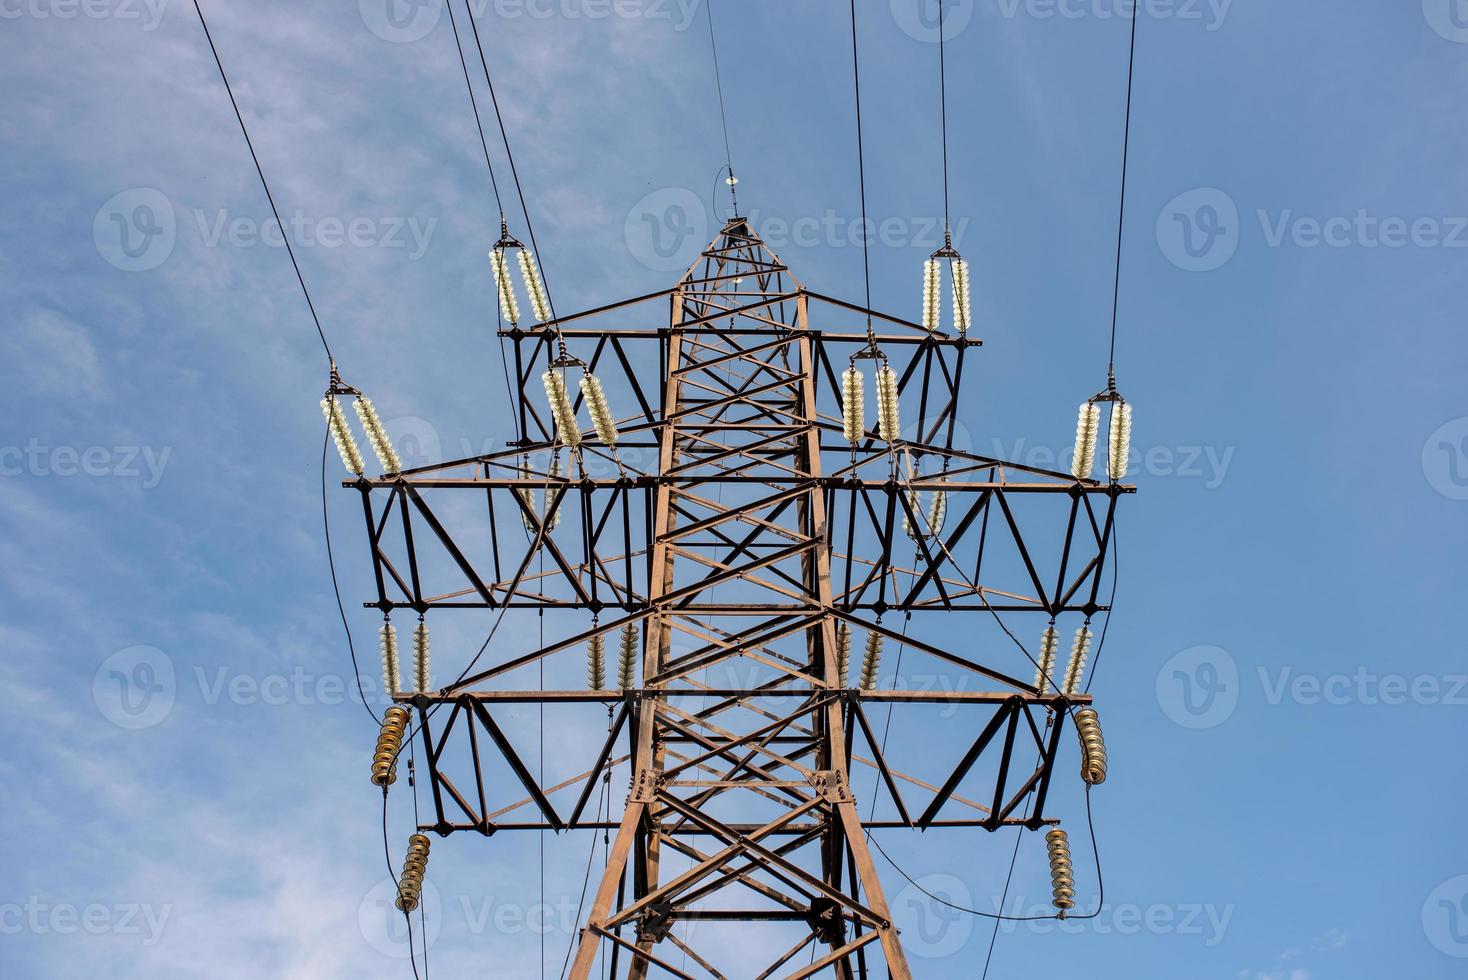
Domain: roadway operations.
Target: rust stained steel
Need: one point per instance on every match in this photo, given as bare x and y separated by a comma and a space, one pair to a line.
738, 520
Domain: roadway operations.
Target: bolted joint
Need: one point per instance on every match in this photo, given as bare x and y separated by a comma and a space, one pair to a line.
826, 921
831, 786
654, 925
645, 787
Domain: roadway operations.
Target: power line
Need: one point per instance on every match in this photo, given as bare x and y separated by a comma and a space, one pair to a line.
943, 111
1100, 882
723, 117
861, 172
1110, 603
263, 182
1019, 836
325, 516
514, 172
1126, 134
474, 104
602, 803
336, 586
498, 203
397, 886
422, 906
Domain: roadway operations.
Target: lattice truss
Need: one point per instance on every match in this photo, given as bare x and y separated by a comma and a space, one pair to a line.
736, 558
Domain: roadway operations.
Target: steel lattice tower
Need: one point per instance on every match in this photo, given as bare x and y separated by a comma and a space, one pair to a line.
748, 539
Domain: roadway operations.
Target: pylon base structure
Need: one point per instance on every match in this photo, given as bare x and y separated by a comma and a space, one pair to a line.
743, 537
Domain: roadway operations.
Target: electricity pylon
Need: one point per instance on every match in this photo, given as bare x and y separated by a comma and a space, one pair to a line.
744, 552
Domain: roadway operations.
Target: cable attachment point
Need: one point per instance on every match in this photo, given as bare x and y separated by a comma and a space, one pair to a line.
506, 239
336, 386
933, 288
1119, 428
731, 181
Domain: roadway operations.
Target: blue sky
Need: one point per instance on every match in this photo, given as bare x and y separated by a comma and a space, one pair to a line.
1282, 683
